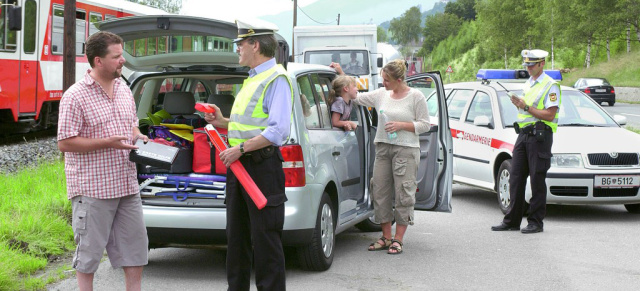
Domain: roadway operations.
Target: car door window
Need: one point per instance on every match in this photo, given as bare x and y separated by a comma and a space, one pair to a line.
480, 106
457, 102
309, 106
321, 85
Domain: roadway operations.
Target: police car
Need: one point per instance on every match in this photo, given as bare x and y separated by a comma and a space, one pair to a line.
595, 161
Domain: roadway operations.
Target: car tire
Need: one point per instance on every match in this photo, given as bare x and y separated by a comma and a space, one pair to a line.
633, 208
502, 185
368, 225
318, 255
611, 103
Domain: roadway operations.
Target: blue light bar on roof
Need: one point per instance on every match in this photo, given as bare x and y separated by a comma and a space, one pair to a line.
492, 74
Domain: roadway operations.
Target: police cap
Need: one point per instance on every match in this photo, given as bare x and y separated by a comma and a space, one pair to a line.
532, 57
254, 27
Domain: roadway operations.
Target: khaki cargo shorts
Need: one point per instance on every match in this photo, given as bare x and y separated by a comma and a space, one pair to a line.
116, 225
394, 180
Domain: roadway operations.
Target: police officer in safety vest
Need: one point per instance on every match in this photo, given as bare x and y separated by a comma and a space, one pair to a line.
259, 123
537, 121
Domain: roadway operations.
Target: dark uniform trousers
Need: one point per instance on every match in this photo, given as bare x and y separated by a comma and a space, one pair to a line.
255, 235
530, 158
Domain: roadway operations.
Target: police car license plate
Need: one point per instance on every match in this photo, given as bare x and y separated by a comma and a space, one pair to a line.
601, 181
601, 90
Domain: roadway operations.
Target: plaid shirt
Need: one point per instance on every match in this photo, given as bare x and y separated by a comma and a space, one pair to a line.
87, 111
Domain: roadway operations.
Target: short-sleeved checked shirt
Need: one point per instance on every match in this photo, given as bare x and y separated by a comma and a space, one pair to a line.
87, 111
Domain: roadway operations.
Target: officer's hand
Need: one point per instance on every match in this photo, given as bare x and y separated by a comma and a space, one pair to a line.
230, 155
214, 118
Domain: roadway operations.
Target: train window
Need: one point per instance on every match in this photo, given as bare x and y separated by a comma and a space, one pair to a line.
57, 29
30, 18
81, 31
94, 17
108, 16
7, 37
152, 44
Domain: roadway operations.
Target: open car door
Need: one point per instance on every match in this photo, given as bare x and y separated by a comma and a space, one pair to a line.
435, 171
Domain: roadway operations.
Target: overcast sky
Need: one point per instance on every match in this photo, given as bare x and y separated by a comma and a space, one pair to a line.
231, 10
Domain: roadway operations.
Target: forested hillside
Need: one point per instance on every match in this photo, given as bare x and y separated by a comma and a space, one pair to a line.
473, 34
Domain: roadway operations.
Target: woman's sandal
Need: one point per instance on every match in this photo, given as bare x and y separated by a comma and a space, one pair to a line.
376, 246
396, 249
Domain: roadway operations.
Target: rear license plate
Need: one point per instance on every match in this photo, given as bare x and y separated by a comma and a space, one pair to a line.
601, 181
601, 90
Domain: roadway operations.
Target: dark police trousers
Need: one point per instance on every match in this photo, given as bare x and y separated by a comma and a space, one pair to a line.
249, 227
531, 157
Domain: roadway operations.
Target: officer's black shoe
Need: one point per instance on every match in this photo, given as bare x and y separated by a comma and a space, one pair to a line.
503, 226
532, 228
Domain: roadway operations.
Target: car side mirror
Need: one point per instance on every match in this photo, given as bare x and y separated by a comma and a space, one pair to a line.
482, 120
14, 13
622, 120
379, 62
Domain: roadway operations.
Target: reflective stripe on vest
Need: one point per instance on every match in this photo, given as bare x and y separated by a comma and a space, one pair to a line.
247, 119
535, 95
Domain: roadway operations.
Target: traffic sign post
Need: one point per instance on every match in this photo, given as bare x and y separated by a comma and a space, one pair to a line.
449, 71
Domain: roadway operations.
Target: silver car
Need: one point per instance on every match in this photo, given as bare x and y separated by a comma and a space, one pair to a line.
181, 60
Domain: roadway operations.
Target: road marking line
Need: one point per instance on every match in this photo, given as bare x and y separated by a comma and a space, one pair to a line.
630, 114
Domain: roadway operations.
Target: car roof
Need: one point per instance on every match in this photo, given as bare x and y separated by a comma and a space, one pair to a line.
512, 86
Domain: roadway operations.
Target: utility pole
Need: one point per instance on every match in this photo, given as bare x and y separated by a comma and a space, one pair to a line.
295, 22
338, 18
69, 43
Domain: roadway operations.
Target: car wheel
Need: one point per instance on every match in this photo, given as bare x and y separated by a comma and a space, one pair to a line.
633, 208
611, 103
502, 185
368, 225
318, 255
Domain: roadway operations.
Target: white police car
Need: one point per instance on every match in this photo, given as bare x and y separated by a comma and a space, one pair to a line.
595, 161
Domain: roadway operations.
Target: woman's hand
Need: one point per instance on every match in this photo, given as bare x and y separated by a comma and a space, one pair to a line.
337, 67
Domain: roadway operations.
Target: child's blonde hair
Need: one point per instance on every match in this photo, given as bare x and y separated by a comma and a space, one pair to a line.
337, 85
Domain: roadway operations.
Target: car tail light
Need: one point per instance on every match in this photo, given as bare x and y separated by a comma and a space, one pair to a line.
293, 166
587, 90
613, 91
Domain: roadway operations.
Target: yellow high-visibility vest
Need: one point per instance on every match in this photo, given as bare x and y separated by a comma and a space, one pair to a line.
535, 95
247, 119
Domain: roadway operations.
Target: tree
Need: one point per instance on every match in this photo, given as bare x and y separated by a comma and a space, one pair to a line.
630, 10
171, 6
406, 28
502, 27
464, 9
438, 27
382, 34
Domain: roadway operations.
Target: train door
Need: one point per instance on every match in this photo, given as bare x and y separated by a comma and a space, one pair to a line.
9, 60
28, 57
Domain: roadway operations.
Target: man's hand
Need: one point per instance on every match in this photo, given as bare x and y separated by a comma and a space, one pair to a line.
517, 101
116, 142
230, 155
337, 67
216, 118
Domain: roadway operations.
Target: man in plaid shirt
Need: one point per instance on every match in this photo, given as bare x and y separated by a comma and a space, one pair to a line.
97, 128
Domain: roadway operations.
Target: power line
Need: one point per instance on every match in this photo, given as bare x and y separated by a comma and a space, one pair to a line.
314, 19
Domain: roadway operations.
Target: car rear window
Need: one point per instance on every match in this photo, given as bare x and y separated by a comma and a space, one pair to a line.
177, 44
597, 82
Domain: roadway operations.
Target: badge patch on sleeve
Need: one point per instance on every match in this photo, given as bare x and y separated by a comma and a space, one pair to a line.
553, 97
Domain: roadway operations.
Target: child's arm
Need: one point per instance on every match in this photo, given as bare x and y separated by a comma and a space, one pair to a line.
346, 125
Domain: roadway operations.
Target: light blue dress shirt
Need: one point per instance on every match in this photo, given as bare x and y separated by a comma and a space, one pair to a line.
276, 103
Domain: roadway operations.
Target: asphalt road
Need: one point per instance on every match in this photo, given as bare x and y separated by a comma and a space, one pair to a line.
630, 111
581, 248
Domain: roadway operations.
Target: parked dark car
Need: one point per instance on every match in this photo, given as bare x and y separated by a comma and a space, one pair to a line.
598, 89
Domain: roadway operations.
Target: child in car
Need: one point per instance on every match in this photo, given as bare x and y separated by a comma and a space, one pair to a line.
343, 91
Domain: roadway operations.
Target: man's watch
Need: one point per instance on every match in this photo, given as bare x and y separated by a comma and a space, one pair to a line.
526, 108
242, 148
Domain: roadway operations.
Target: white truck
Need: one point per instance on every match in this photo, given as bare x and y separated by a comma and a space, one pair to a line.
353, 46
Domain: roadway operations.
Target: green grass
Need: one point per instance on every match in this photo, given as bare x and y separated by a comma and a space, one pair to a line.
621, 71
631, 128
35, 225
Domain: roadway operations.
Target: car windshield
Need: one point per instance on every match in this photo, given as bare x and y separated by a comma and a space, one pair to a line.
596, 82
354, 62
576, 109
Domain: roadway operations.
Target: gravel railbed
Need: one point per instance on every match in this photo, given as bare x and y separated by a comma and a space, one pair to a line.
16, 156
